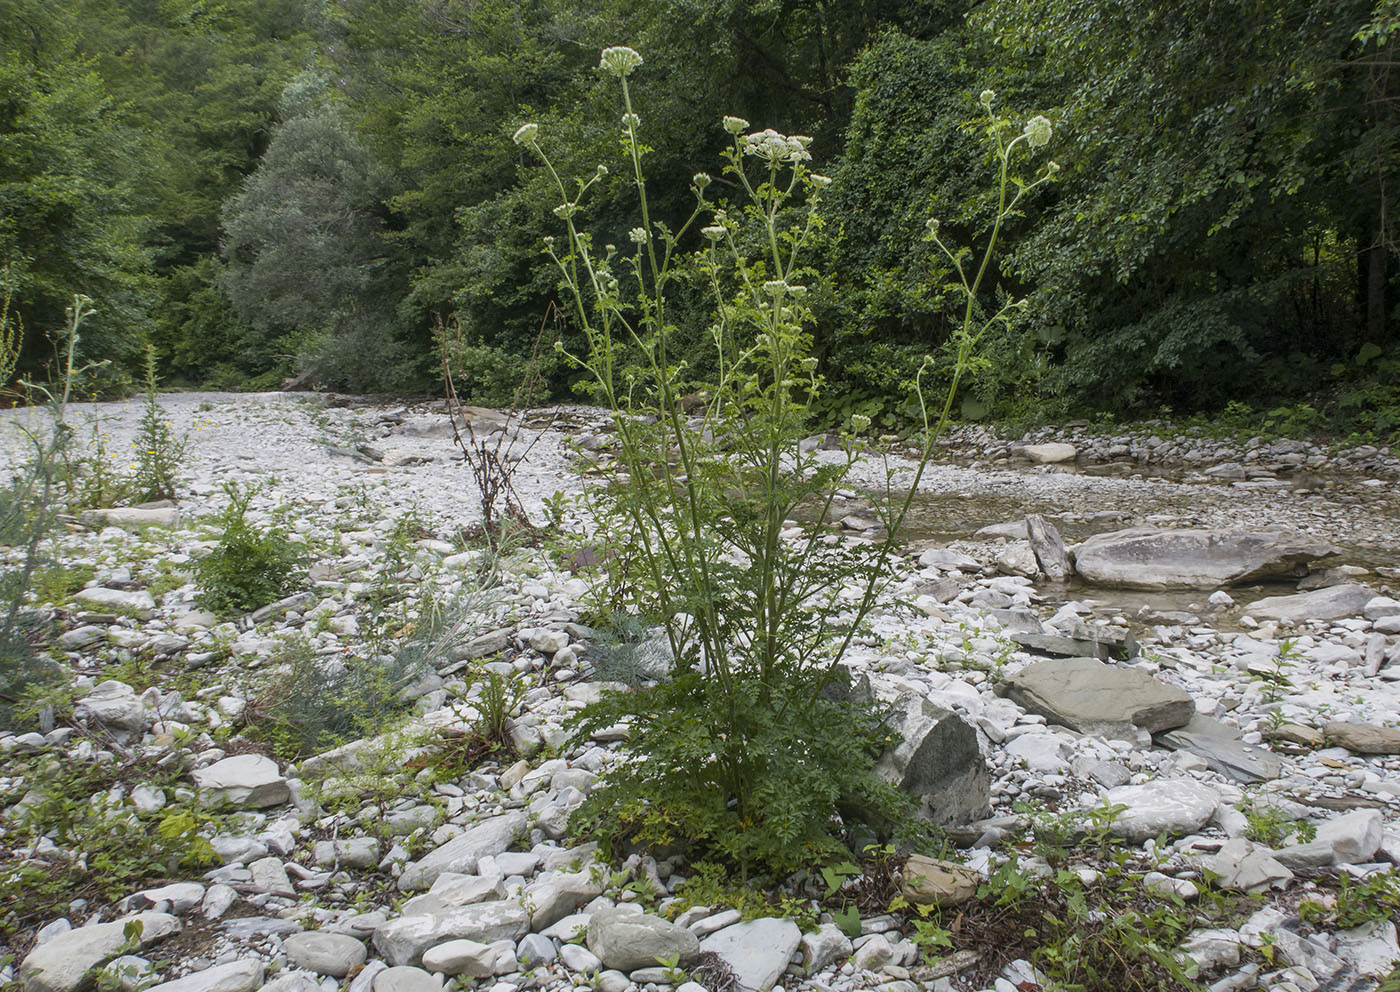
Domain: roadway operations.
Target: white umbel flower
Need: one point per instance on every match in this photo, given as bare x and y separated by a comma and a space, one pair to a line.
526, 134
736, 125
620, 61
1037, 131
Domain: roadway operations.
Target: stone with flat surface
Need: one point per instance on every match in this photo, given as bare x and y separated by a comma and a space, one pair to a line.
1331, 603
1171, 806
757, 951
1091, 697
1190, 558
490, 837
1224, 751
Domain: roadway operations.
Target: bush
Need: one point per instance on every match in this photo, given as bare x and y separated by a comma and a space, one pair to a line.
249, 568
741, 755
159, 451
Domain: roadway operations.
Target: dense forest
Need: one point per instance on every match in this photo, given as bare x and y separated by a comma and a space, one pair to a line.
264, 188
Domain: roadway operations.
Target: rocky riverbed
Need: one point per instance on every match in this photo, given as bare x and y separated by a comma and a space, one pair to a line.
1231, 697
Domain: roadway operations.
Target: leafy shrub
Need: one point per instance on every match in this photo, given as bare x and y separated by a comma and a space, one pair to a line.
310, 703
159, 451
249, 568
741, 756
115, 847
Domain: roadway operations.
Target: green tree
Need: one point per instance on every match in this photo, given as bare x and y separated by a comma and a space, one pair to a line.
303, 241
1221, 227
70, 220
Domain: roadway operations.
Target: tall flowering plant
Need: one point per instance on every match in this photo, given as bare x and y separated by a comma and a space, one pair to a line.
749, 751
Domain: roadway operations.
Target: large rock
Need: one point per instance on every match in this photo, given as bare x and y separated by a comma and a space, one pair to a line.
132, 516
237, 976
1148, 558
1109, 701
1331, 603
1224, 751
1240, 866
1050, 453
331, 954
627, 941
137, 601
248, 780
1171, 806
114, 706
402, 941
488, 838
929, 882
1049, 548
1363, 738
553, 895
757, 951
936, 761
64, 963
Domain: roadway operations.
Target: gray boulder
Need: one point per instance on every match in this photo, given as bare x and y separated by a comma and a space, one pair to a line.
1109, 701
757, 951
402, 941
1148, 558
114, 706
1049, 548
1171, 806
488, 838
252, 781
627, 941
331, 954
1330, 603
64, 963
1224, 751
936, 761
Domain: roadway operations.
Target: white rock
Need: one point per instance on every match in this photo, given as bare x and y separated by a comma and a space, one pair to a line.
1371, 948
248, 780
236, 976
461, 957
1173, 806
113, 705
1353, 837
331, 954
61, 963
758, 951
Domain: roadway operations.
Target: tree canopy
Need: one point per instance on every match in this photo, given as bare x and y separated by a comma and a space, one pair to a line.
265, 187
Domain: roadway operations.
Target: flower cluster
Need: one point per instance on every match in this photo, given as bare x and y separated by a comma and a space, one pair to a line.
527, 135
773, 147
620, 61
1037, 131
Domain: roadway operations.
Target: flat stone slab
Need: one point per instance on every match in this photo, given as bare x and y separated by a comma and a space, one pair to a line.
403, 940
757, 951
1223, 750
1363, 738
1329, 603
62, 963
249, 780
131, 516
627, 941
1109, 701
1171, 806
236, 976
488, 838
1050, 453
1149, 558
